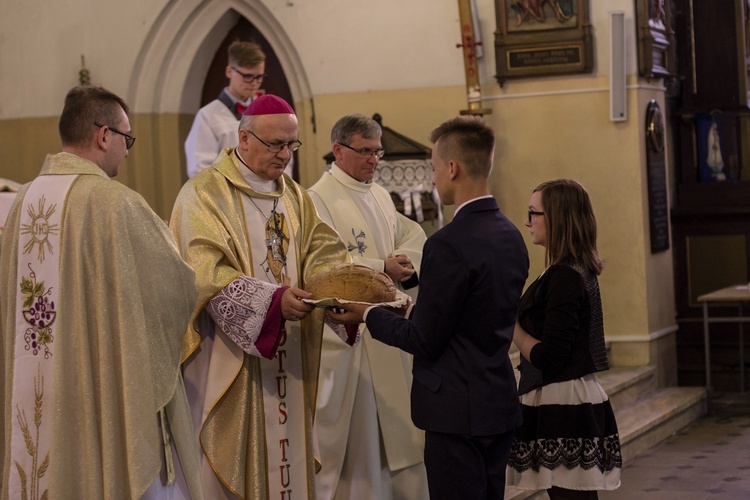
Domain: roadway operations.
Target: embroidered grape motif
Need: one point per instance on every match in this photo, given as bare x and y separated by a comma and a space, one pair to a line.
40, 314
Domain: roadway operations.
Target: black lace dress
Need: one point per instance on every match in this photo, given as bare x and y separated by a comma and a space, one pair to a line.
569, 435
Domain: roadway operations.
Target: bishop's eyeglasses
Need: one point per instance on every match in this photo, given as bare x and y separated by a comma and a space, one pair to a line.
277, 148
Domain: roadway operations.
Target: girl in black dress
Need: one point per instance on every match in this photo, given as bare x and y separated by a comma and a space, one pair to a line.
568, 443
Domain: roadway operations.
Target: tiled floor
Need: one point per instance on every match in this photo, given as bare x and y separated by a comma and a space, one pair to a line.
710, 459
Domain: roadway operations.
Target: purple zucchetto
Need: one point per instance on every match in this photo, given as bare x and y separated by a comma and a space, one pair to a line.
268, 104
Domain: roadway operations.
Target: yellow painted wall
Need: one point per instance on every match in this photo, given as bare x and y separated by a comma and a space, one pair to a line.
154, 167
570, 135
24, 143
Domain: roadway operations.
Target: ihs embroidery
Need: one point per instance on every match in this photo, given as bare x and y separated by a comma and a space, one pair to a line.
360, 244
39, 229
39, 312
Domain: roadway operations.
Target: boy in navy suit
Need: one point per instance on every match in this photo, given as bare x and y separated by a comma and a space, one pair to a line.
473, 271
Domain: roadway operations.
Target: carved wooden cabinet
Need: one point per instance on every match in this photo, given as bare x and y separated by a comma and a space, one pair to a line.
710, 214
712, 118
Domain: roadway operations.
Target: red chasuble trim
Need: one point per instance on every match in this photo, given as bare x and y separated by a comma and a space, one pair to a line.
273, 327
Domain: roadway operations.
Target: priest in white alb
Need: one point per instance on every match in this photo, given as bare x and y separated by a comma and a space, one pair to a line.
363, 393
252, 349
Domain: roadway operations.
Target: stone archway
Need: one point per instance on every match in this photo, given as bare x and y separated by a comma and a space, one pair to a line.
275, 81
166, 83
174, 59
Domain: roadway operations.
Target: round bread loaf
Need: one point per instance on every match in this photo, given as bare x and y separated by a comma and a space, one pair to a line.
352, 282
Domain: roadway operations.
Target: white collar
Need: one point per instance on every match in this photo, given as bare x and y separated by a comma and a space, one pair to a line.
349, 181
256, 182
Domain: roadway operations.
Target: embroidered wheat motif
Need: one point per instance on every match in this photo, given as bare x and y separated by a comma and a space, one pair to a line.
30, 485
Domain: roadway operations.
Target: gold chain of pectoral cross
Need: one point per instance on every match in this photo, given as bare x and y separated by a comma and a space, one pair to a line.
277, 243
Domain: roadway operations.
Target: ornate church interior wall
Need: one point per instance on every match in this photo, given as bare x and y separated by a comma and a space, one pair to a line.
398, 59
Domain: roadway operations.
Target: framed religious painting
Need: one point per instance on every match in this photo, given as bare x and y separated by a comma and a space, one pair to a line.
542, 38
655, 38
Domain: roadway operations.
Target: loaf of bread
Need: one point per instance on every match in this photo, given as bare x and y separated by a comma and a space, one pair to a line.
354, 283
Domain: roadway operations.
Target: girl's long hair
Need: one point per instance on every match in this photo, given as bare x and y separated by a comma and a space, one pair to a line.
570, 224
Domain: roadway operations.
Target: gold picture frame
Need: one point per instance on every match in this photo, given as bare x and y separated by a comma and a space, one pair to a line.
542, 38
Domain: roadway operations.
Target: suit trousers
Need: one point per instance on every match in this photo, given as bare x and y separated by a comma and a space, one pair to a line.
460, 466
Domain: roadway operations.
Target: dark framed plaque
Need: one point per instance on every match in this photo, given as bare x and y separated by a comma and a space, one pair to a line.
541, 38
658, 204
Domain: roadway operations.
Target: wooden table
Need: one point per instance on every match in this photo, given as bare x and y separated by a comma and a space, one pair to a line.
738, 294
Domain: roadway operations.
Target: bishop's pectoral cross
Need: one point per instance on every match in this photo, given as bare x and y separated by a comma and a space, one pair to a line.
274, 243
277, 245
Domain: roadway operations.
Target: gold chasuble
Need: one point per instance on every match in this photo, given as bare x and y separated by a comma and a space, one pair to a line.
228, 231
94, 303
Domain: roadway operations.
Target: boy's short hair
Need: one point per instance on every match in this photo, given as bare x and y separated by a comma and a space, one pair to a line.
245, 54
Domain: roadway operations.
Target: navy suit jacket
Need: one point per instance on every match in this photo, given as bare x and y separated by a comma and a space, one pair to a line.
472, 275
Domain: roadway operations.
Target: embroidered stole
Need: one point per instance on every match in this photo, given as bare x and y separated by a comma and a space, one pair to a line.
282, 377
37, 309
349, 222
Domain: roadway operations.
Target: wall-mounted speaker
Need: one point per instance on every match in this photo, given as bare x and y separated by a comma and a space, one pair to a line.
617, 76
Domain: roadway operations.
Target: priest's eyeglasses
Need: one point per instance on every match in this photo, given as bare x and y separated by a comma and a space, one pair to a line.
533, 213
249, 77
129, 139
277, 148
379, 152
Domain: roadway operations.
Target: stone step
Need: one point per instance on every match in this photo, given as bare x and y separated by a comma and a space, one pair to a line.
650, 421
626, 385
645, 415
